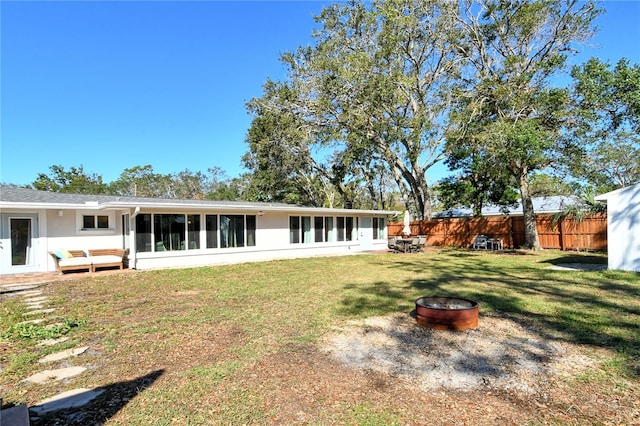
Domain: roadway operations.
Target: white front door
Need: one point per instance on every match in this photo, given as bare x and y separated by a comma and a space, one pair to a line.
18, 239
366, 234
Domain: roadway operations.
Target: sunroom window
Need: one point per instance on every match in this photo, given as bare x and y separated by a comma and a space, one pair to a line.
232, 230
300, 229
379, 228
170, 232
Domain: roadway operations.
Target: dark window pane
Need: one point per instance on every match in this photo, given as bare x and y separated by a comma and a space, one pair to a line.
169, 231
318, 222
103, 222
375, 228
328, 229
20, 241
239, 229
231, 231
88, 222
212, 230
294, 229
348, 228
193, 225
143, 232
340, 226
251, 231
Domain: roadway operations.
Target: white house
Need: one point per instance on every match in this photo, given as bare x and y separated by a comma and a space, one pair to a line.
623, 227
174, 233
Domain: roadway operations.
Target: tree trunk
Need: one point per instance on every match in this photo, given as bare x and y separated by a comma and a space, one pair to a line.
532, 241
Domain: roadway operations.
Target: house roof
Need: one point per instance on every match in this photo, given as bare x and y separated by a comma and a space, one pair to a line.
15, 197
607, 195
549, 205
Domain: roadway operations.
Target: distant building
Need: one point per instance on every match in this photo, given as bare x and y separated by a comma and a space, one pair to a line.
541, 205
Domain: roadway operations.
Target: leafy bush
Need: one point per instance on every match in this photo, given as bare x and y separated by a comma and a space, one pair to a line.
30, 331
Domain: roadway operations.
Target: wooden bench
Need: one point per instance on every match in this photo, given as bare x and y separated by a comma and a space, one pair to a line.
97, 258
106, 258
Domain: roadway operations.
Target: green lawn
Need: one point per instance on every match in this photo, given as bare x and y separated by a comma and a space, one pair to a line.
183, 346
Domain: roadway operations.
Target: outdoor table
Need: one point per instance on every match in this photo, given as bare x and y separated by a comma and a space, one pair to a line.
406, 242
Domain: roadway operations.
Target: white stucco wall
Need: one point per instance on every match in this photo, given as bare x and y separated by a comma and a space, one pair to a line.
61, 229
623, 228
63, 233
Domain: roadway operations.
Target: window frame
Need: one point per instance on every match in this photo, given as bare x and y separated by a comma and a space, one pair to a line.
195, 229
97, 217
322, 229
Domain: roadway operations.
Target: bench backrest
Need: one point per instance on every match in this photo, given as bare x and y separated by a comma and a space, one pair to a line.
107, 252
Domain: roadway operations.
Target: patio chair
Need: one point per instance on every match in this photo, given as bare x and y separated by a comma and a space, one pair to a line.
392, 244
481, 242
422, 242
494, 244
414, 246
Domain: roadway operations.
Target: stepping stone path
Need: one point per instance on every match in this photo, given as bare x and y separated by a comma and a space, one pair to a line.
63, 354
73, 398
57, 374
36, 304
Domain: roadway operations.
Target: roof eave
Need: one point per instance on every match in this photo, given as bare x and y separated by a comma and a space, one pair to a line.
244, 207
186, 206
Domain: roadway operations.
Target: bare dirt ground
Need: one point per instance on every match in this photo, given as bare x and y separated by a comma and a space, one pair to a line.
500, 373
499, 355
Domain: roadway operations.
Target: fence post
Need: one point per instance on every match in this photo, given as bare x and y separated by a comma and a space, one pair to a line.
512, 242
560, 229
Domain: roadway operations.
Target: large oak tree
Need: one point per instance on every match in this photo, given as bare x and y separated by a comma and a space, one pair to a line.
373, 92
506, 105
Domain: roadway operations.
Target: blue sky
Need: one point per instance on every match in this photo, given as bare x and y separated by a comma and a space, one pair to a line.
111, 85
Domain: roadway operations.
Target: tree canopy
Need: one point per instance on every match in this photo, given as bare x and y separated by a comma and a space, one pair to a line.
606, 122
143, 181
507, 112
75, 180
386, 83
371, 94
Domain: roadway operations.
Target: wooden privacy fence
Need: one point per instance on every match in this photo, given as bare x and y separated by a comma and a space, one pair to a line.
565, 234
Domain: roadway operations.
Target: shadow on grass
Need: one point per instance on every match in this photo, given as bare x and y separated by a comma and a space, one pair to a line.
112, 399
372, 299
592, 308
594, 259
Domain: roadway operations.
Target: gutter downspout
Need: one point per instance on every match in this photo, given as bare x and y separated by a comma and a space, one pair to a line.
132, 238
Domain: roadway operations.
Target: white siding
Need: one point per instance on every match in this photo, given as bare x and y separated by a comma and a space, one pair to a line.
623, 228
